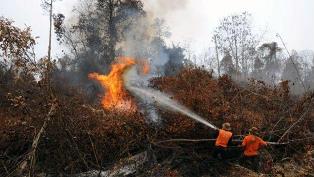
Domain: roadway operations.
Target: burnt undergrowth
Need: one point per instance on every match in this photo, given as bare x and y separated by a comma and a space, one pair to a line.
81, 136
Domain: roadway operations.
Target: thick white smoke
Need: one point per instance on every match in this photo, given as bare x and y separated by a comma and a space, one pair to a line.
145, 40
159, 8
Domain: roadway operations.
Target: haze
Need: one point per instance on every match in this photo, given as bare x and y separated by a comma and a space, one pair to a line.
191, 23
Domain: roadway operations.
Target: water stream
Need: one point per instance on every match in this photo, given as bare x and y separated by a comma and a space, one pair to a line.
166, 102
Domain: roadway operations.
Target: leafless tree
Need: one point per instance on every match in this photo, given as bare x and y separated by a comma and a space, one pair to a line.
234, 34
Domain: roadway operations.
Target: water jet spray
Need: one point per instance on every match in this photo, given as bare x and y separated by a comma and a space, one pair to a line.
159, 98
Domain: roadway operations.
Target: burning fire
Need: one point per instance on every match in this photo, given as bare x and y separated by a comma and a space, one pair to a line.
144, 66
115, 93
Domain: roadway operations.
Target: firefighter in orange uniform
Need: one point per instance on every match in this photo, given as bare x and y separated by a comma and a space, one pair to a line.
252, 144
224, 139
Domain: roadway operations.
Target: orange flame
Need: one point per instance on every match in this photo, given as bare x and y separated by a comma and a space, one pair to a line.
115, 95
144, 66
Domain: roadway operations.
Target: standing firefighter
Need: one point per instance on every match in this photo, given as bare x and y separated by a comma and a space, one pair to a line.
224, 139
252, 144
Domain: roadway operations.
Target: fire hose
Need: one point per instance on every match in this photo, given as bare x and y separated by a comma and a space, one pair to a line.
236, 140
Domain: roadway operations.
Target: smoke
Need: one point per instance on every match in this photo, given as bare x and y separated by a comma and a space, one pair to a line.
161, 8
140, 36
152, 98
145, 40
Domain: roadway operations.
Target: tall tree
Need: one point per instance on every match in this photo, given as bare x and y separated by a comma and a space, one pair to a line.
100, 26
176, 60
257, 72
234, 34
217, 54
48, 6
309, 76
117, 16
271, 63
227, 64
291, 72
16, 50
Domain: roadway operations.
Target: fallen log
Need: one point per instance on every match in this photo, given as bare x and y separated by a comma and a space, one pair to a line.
125, 167
29, 160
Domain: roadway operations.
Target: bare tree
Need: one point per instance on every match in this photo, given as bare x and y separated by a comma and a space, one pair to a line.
234, 34
291, 72
48, 6
217, 54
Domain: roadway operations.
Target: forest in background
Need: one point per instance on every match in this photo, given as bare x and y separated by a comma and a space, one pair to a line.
52, 121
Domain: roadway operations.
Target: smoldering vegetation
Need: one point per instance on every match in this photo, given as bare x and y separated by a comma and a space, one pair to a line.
90, 36
52, 122
96, 36
81, 137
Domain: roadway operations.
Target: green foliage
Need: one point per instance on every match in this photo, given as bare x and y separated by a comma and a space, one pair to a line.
15, 43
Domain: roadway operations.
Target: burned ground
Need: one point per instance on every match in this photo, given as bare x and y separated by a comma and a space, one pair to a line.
82, 136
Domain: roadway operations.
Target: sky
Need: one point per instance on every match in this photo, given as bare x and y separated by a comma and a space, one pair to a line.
191, 22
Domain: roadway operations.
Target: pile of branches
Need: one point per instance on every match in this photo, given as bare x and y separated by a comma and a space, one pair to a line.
81, 136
